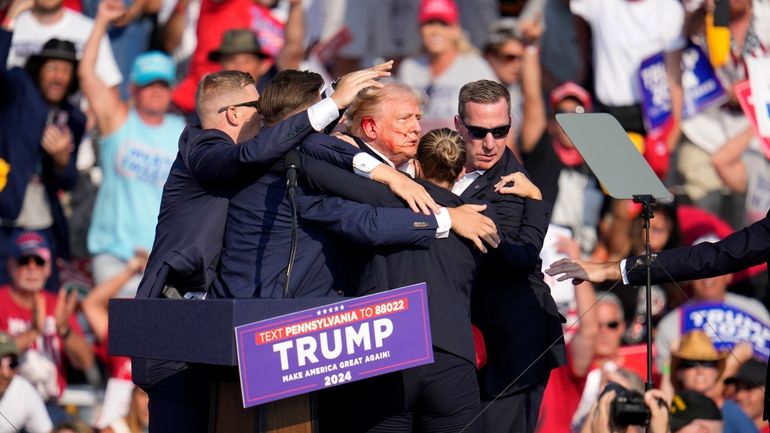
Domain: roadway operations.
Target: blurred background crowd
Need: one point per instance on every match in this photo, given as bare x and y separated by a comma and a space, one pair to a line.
94, 95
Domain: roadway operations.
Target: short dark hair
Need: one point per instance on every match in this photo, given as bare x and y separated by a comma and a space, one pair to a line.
289, 91
482, 92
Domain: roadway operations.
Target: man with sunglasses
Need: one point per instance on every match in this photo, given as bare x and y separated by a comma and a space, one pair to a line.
20, 405
214, 160
516, 313
42, 324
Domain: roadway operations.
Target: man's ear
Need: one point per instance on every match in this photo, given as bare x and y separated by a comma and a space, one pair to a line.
458, 124
232, 117
369, 127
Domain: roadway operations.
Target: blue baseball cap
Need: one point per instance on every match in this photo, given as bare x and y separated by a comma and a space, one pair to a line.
153, 66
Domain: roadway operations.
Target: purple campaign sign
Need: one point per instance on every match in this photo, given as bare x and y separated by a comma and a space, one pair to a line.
727, 325
656, 98
338, 343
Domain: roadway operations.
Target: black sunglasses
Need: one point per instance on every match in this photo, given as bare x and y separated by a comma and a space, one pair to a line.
252, 104
692, 364
25, 260
497, 132
611, 325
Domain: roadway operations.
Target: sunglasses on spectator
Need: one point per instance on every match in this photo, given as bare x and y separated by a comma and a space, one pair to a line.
10, 361
611, 325
497, 132
25, 260
692, 364
509, 58
252, 104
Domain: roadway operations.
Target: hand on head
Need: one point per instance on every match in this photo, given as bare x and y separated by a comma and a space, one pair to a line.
350, 84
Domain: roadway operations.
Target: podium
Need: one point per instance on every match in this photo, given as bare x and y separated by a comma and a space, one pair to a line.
201, 333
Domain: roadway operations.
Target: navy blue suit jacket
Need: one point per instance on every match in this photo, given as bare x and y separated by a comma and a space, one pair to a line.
515, 311
23, 116
746, 247
449, 266
258, 237
208, 169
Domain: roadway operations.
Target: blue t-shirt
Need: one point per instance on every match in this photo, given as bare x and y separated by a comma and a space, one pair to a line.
135, 162
735, 420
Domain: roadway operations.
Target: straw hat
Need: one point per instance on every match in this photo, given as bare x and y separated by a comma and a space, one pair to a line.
695, 346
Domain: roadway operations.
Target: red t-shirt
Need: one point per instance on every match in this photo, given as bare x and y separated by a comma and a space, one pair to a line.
216, 17
15, 320
118, 367
560, 400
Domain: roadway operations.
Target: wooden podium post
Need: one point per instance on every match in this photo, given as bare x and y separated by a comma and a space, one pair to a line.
290, 415
202, 332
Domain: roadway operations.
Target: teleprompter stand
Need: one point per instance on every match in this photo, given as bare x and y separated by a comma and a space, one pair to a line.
200, 333
624, 173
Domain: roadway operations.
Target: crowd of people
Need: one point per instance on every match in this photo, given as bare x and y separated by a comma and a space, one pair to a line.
145, 147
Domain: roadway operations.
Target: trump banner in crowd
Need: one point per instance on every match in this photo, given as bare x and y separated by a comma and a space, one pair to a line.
727, 325
338, 343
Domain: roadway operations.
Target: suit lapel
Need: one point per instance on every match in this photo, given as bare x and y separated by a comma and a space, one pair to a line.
482, 183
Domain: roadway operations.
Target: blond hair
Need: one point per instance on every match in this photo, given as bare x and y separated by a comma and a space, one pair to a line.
216, 85
441, 154
369, 101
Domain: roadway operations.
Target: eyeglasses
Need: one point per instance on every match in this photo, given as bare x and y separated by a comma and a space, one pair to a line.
610, 325
252, 104
509, 58
692, 364
497, 132
26, 260
10, 361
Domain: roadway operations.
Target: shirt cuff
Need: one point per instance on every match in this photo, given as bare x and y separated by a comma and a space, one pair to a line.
444, 222
322, 113
363, 164
623, 271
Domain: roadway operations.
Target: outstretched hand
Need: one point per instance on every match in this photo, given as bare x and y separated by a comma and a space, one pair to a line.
350, 84
110, 11
579, 271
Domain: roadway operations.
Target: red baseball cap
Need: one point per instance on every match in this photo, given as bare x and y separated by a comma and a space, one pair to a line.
439, 10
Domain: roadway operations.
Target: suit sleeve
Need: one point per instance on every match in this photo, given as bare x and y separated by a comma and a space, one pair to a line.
331, 150
330, 179
520, 253
273, 142
744, 248
218, 161
366, 225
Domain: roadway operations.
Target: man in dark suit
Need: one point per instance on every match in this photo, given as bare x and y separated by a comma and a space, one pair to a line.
213, 159
515, 312
442, 396
518, 315
257, 249
747, 247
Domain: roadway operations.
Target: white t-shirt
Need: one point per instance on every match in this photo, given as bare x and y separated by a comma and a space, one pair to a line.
22, 406
443, 92
625, 33
29, 36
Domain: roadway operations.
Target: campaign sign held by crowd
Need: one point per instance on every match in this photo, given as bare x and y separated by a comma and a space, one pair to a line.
727, 325
338, 343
